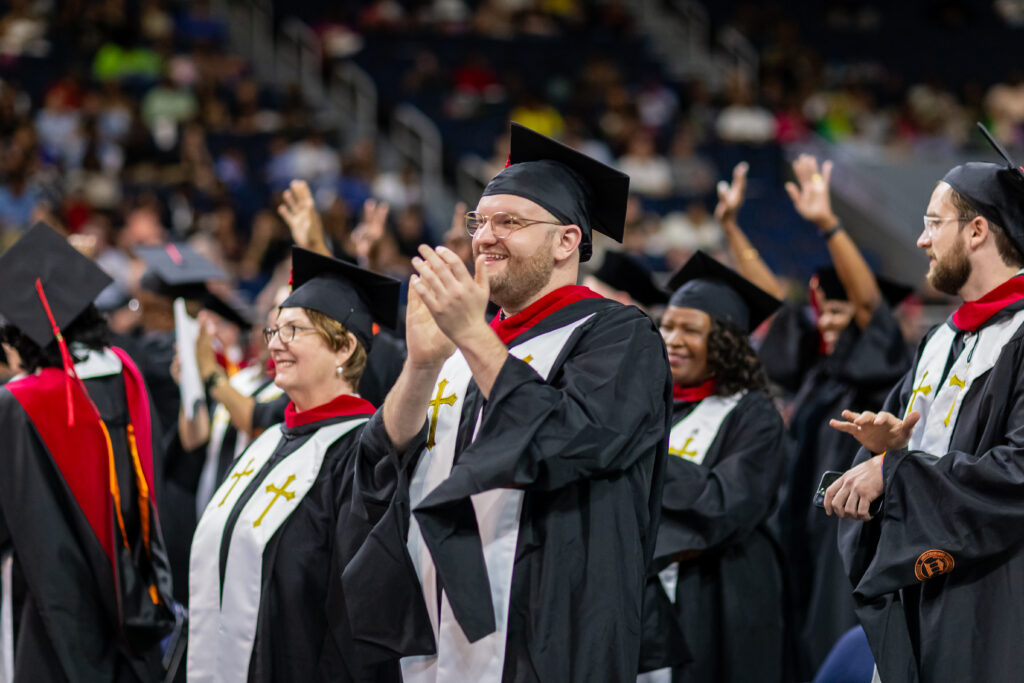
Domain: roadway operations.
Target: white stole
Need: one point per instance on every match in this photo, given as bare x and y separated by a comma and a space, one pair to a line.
940, 405
222, 629
692, 436
497, 513
245, 382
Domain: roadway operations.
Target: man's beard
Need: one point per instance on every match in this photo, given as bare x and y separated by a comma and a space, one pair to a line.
523, 277
950, 274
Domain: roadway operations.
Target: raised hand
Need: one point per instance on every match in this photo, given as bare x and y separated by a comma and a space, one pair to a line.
427, 345
371, 230
810, 192
456, 299
877, 432
299, 211
731, 195
206, 359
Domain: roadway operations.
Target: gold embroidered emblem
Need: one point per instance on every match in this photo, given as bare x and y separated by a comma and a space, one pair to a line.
921, 389
954, 381
528, 359
246, 471
436, 404
683, 452
278, 492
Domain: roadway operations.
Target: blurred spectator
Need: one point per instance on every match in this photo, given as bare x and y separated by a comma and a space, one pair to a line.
536, 114
692, 174
649, 173
743, 120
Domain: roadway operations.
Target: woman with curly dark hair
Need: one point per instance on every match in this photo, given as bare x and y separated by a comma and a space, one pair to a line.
715, 556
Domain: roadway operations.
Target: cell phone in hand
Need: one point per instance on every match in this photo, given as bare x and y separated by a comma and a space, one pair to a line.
827, 479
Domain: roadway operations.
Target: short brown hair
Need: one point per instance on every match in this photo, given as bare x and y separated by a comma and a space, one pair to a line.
1007, 249
337, 339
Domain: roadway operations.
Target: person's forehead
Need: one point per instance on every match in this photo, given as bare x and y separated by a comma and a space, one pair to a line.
292, 314
939, 204
514, 204
685, 316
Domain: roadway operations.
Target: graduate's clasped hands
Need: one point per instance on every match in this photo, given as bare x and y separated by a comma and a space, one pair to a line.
457, 300
852, 494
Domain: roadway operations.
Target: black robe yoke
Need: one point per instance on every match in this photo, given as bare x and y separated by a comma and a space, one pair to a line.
964, 625
588, 449
729, 597
302, 632
70, 621
858, 375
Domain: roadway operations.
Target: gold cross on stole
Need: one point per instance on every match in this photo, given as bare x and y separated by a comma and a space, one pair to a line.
954, 381
921, 389
682, 452
436, 403
246, 471
278, 492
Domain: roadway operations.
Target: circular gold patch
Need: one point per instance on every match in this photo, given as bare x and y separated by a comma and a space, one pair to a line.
933, 563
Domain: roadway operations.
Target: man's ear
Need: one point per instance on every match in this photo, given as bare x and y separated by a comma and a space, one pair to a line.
979, 230
568, 242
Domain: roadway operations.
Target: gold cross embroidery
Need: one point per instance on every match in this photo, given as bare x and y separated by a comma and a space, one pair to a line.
246, 471
954, 381
682, 452
921, 389
528, 359
278, 492
436, 403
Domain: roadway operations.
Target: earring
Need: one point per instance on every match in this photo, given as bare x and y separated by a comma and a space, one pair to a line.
338, 370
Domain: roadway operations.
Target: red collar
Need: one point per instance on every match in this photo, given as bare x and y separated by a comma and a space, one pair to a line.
973, 314
514, 325
341, 406
693, 394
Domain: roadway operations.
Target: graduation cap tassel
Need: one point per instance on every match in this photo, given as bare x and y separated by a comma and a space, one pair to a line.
65, 355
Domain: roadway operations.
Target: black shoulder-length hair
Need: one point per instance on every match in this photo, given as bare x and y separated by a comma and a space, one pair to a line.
89, 329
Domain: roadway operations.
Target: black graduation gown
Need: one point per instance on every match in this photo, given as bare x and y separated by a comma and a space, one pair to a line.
588, 449
302, 631
75, 624
729, 596
964, 625
863, 367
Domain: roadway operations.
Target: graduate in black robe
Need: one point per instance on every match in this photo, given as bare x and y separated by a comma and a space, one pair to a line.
77, 494
849, 353
535, 493
938, 571
174, 271
266, 601
728, 448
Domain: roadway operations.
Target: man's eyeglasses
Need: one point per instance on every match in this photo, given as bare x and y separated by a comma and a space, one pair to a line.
502, 224
933, 223
286, 332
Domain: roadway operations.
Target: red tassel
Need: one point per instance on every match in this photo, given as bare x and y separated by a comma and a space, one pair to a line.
69, 366
508, 162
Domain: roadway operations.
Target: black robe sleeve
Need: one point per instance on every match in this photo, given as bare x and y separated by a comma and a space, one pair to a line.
386, 612
705, 508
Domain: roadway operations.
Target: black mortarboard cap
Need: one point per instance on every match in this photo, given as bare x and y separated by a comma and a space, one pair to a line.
995, 191
706, 285
70, 282
623, 272
893, 292
177, 270
354, 297
575, 188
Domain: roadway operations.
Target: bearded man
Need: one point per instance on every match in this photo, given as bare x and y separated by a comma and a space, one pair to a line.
537, 465
938, 571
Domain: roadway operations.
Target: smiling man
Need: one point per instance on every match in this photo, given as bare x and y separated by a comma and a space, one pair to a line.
542, 446
938, 572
